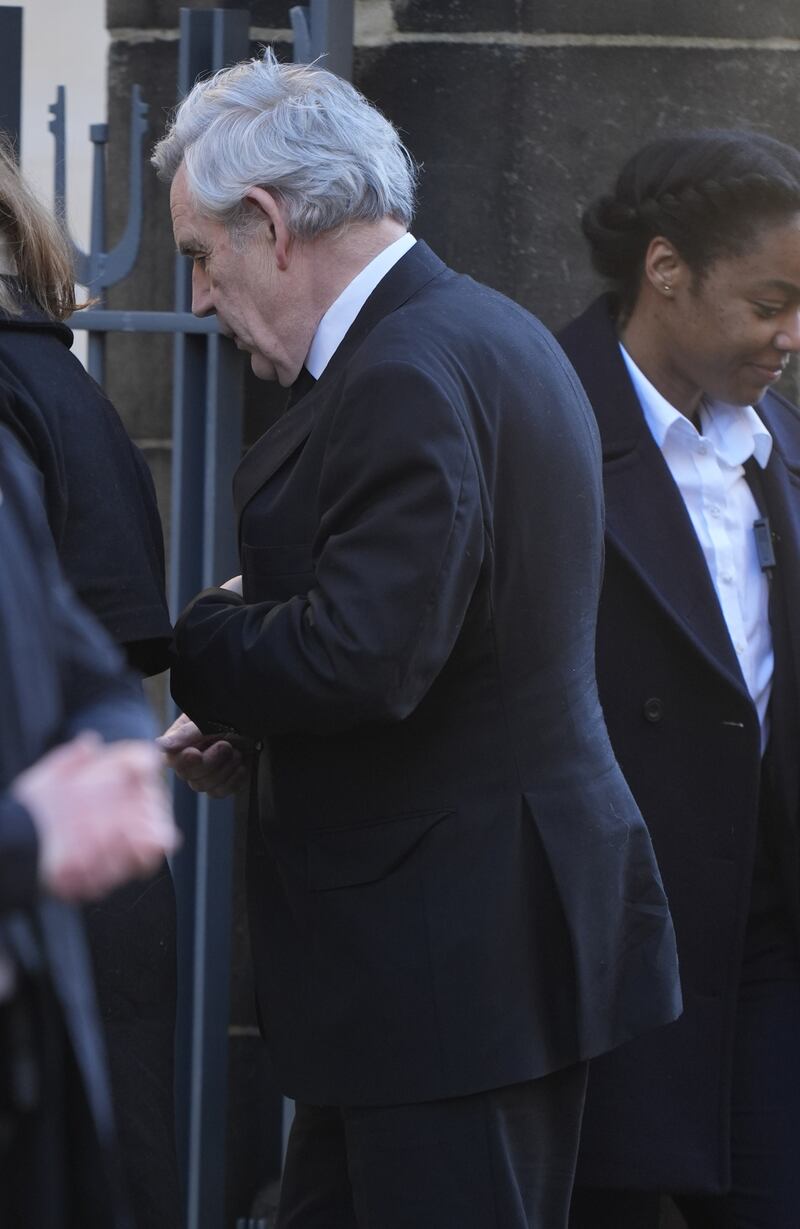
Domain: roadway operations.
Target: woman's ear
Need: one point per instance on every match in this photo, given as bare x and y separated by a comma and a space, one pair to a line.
664, 269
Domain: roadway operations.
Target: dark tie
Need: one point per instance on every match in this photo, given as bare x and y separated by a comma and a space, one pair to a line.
302, 385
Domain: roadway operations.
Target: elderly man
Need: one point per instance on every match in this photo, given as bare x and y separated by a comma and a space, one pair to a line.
453, 898
76, 820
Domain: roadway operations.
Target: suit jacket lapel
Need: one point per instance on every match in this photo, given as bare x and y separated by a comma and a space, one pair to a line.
646, 518
269, 452
413, 271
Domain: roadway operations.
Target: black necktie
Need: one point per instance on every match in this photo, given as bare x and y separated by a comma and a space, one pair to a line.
302, 385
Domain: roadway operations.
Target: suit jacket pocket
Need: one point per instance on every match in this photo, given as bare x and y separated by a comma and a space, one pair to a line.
347, 857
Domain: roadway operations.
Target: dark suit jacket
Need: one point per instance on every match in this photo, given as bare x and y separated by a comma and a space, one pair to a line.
58, 675
450, 886
686, 734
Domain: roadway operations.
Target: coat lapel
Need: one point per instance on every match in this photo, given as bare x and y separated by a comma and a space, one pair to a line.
413, 271
646, 519
781, 485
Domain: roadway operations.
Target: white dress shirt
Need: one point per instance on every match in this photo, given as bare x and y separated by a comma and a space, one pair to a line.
343, 311
708, 469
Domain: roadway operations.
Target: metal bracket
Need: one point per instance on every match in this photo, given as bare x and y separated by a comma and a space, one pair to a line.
99, 269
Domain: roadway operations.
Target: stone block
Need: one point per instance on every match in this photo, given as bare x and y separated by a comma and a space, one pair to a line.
683, 18
164, 14
515, 141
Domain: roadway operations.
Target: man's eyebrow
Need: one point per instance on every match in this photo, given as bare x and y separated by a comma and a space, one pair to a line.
190, 247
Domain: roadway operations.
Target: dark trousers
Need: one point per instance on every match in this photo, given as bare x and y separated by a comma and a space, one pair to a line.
502, 1159
765, 1109
132, 939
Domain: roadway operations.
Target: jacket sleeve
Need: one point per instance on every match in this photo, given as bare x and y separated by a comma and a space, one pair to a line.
96, 692
79, 683
99, 692
99, 499
396, 557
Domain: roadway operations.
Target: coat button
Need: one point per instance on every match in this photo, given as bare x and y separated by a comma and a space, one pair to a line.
653, 709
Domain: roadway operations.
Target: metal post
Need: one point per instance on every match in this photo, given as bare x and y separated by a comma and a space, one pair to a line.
207, 433
98, 135
98, 269
324, 28
11, 72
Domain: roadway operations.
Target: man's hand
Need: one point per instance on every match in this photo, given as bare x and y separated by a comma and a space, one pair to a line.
209, 764
101, 813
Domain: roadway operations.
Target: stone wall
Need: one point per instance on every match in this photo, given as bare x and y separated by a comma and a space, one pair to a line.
520, 112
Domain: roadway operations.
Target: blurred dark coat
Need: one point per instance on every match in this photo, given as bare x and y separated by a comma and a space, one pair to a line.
687, 737
58, 675
102, 512
451, 888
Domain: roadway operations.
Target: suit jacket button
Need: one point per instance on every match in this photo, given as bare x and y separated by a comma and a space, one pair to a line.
653, 709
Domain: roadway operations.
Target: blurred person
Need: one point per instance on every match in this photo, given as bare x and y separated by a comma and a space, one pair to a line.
77, 818
698, 659
101, 507
453, 899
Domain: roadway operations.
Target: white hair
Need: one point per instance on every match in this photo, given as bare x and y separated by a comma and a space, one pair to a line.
298, 130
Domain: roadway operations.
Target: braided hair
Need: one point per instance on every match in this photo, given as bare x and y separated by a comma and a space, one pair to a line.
707, 192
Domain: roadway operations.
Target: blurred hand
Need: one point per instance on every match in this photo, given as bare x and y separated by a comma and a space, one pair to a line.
207, 763
101, 812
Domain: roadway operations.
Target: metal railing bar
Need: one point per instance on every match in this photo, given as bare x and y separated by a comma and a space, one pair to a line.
102, 320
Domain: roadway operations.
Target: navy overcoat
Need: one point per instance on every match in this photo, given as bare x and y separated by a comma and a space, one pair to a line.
686, 734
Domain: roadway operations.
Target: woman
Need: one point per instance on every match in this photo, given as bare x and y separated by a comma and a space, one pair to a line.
698, 654
102, 512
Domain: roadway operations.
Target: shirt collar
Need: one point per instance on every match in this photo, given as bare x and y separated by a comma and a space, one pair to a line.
340, 315
660, 416
736, 431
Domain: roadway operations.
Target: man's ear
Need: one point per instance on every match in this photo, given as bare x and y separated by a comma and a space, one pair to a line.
266, 203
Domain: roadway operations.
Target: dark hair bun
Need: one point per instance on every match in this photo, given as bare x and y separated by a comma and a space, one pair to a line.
610, 226
706, 192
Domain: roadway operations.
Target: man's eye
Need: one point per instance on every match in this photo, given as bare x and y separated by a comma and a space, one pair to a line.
201, 259
766, 311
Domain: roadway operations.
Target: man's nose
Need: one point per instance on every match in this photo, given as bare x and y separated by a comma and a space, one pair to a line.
788, 339
201, 293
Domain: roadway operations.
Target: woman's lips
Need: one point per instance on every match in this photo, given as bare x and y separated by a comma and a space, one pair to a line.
768, 372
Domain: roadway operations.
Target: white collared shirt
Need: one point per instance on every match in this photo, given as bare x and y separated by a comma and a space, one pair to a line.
708, 469
343, 311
